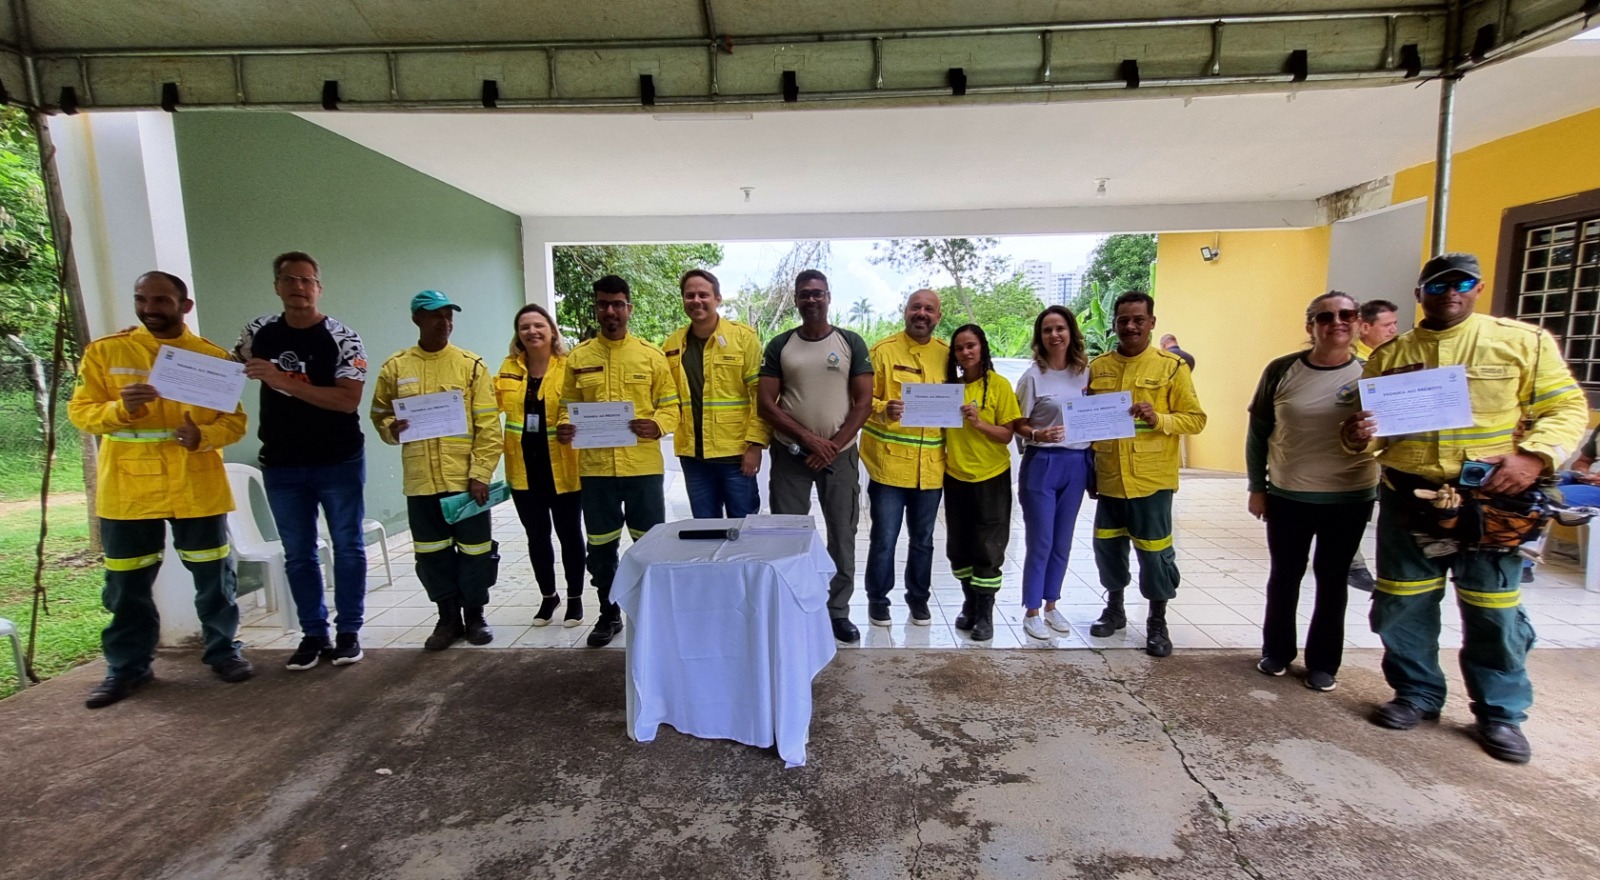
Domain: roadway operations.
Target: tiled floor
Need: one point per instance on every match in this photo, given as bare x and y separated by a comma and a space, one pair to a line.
1221, 553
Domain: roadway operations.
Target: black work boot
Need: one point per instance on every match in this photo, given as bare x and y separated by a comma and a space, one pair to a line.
478, 631
1112, 618
448, 629
1156, 643
982, 615
965, 619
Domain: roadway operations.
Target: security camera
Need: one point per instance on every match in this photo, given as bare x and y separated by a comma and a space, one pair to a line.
1209, 253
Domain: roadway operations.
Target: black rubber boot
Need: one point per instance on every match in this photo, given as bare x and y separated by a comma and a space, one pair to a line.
982, 615
965, 619
1156, 643
478, 631
1112, 618
448, 629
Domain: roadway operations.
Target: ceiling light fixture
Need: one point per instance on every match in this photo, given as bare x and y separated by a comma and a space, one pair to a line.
747, 190
1100, 187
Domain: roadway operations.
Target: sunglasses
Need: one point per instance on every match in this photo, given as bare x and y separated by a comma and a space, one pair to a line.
1346, 315
1460, 285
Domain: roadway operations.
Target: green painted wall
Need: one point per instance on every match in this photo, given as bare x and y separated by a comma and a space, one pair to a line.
256, 185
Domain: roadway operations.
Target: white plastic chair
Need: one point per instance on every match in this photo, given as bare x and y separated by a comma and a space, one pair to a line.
8, 630
250, 545
368, 526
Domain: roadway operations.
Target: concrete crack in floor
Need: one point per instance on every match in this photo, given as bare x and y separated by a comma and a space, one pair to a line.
1217, 806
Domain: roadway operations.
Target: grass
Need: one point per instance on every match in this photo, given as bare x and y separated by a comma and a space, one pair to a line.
69, 633
22, 452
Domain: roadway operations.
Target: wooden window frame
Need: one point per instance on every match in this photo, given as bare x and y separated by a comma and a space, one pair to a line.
1508, 261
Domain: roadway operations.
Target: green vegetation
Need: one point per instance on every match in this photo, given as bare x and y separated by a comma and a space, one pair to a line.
69, 633
651, 270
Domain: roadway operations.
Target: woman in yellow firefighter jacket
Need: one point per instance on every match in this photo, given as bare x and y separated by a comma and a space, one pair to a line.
543, 473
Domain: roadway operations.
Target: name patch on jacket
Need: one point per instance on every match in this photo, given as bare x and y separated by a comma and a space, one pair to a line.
581, 370
672, 352
1408, 368
916, 370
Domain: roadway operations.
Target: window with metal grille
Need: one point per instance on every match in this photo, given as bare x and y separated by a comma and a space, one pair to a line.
1558, 288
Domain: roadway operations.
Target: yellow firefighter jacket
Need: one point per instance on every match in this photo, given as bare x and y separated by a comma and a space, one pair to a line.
511, 389
143, 472
895, 455
443, 464
731, 363
1513, 369
1147, 462
632, 370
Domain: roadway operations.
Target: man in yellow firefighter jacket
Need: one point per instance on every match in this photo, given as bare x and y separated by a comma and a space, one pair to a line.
622, 485
456, 562
1135, 478
905, 465
159, 463
716, 365
1528, 415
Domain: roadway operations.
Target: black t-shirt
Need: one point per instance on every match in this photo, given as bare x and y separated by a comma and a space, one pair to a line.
293, 432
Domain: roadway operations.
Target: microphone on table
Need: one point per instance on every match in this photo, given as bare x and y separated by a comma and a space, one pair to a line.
709, 534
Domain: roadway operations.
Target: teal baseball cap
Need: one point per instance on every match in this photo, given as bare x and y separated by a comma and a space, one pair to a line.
431, 301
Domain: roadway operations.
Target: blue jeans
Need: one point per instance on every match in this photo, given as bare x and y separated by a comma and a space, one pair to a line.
889, 505
718, 489
294, 494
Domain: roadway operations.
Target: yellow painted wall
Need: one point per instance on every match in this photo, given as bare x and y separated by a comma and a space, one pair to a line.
1234, 315
1552, 160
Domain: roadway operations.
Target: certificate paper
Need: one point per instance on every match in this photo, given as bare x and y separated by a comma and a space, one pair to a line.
931, 405
198, 379
602, 425
1423, 400
1098, 417
441, 414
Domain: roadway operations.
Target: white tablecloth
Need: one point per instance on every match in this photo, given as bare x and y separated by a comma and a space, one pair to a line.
724, 637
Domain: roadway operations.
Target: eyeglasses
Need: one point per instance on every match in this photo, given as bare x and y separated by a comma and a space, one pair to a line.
607, 305
1460, 285
307, 280
803, 295
1348, 316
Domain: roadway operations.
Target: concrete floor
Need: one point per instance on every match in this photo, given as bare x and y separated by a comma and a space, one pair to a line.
923, 763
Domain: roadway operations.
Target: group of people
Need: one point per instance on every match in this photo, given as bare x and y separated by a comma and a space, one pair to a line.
825, 405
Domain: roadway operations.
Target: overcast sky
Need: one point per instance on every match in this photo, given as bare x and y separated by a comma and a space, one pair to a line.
852, 274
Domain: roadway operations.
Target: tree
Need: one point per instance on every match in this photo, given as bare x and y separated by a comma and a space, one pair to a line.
1118, 264
29, 300
652, 272
768, 307
970, 262
1005, 310
860, 311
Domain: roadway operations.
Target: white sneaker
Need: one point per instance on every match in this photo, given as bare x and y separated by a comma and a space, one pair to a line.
1057, 621
1034, 626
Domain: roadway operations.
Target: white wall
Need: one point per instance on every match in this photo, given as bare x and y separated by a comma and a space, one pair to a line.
1374, 256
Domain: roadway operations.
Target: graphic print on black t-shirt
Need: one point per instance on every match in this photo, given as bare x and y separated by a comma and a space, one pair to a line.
293, 432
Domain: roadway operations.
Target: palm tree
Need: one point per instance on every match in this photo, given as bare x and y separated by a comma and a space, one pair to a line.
861, 312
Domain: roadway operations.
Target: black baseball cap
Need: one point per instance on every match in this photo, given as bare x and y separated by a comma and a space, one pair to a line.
1444, 264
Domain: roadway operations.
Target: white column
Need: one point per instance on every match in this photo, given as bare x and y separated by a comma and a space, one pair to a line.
119, 179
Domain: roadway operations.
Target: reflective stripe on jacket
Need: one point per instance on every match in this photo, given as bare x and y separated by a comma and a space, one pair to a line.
143, 472
443, 464
731, 364
632, 370
511, 389
1147, 462
1511, 367
895, 455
